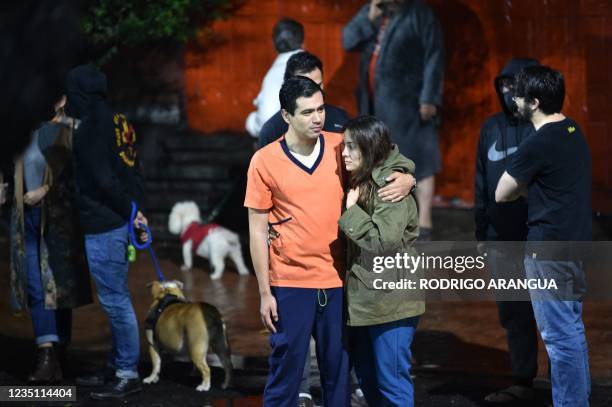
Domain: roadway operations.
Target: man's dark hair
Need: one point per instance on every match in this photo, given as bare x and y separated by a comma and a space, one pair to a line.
288, 35
294, 88
302, 63
542, 83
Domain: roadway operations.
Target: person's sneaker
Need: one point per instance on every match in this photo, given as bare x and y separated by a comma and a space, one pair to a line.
305, 401
100, 378
117, 389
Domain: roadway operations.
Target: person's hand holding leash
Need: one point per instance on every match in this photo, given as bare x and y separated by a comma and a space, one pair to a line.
138, 221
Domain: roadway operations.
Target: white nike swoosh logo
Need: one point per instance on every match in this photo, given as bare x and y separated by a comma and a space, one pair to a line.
494, 155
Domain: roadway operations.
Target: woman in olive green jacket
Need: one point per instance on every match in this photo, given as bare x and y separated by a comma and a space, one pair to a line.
382, 320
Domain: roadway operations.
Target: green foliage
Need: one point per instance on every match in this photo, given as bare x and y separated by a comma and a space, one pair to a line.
111, 24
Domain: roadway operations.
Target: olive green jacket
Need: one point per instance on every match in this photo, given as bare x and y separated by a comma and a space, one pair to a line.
389, 229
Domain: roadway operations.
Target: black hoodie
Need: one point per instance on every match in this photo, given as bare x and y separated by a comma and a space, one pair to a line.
106, 165
500, 137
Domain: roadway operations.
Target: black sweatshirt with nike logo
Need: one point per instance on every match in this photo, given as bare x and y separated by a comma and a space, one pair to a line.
500, 136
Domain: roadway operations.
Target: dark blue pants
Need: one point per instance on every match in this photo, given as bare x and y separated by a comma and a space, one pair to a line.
382, 361
302, 313
49, 325
518, 320
516, 316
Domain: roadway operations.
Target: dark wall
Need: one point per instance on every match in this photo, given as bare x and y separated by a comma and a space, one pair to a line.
186, 166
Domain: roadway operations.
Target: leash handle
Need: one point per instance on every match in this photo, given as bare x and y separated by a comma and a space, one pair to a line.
146, 244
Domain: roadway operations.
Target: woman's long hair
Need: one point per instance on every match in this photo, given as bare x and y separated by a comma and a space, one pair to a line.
372, 138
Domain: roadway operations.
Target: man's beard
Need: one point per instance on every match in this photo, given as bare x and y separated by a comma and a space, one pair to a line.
524, 113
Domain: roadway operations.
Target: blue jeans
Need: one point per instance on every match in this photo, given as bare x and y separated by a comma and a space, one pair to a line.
49, 325
382, 362
107, 259
562, 331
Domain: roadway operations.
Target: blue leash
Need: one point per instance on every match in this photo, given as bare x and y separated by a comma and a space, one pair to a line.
146, 244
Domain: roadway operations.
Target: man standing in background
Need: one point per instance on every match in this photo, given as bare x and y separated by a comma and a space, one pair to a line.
401, 81
500, 136
554, 168
288, 37
309, 65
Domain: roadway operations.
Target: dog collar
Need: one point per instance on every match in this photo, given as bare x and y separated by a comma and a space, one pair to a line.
154, 314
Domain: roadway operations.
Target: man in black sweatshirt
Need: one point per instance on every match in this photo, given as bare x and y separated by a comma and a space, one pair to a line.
107, 182
500, 137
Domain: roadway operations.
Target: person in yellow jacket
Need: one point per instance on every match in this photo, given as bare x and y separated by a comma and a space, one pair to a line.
382, 321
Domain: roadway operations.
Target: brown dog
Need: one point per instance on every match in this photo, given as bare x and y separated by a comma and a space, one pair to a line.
173, 325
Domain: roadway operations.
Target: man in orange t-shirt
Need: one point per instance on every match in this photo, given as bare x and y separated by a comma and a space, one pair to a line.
295, 185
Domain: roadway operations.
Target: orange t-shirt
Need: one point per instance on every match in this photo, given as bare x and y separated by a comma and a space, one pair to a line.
305, 205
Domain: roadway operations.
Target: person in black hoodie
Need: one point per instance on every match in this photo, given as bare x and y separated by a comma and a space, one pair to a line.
107, 182
500, 137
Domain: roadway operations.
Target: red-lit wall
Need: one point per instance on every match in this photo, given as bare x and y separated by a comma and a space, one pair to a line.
223, 74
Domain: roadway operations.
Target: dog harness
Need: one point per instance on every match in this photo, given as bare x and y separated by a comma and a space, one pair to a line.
196, 232
154, 314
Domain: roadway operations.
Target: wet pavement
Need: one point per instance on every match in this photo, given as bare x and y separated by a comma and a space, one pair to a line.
460, 348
